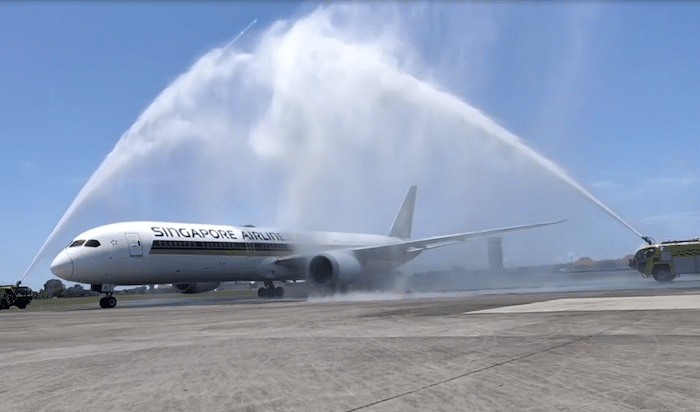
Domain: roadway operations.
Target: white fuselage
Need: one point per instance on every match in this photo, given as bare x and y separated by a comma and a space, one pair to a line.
137, 253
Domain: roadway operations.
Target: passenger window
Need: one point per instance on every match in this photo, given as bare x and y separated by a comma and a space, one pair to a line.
92, 243
77, 243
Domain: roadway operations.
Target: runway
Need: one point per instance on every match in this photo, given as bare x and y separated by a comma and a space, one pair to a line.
482, 352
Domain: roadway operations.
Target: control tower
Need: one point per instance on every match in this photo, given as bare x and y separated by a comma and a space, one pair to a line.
495, 254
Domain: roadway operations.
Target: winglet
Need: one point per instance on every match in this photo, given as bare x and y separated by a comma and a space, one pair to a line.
401, 227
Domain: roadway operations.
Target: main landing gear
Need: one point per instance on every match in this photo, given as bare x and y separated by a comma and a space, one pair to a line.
270, 291
108, 301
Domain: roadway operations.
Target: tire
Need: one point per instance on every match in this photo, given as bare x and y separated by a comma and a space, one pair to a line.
108, 302
663, 275
21, 305
4, 304
261, 293
279, 291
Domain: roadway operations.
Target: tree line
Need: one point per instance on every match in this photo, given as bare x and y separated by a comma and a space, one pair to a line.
54, 288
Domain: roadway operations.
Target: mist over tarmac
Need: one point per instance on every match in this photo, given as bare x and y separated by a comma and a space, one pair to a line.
323, 122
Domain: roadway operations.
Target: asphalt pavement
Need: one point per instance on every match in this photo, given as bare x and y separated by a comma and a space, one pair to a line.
605, 350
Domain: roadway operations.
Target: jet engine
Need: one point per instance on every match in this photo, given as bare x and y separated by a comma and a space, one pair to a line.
195, 287
332, 270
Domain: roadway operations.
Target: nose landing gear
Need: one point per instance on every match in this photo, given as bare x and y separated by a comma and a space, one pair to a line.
108, 301
270, 291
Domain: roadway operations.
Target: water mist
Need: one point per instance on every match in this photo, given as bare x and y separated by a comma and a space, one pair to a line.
319, 116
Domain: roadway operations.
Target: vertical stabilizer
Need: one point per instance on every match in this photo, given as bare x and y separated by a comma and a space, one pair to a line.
404, 218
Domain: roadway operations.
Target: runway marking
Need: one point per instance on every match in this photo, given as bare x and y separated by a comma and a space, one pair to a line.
600, 304
495, 365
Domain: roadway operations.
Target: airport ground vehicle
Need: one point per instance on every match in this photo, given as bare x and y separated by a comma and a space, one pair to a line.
667, 260
15, 295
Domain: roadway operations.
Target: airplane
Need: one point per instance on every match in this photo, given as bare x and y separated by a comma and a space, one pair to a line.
196, 258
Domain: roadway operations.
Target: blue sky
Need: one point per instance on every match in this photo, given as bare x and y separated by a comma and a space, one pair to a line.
607, 91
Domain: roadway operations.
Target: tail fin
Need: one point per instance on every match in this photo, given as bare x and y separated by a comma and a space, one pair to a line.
401, 227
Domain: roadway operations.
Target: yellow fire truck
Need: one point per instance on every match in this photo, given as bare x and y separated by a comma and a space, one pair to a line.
15, 295
666, 260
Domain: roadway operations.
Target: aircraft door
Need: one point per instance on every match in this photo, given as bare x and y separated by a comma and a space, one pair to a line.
134, 241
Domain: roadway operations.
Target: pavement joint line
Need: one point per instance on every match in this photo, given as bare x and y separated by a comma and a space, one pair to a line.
495, 365
602, 304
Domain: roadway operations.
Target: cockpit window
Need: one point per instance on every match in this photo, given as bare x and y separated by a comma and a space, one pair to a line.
92, 243
77, 243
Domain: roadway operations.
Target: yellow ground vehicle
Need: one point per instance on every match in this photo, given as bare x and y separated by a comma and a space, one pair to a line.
15, 295
666, 260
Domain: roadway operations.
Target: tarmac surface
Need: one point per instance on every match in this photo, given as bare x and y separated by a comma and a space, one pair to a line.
634, 350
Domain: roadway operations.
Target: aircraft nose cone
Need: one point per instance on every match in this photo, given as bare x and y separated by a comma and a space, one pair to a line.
62, 266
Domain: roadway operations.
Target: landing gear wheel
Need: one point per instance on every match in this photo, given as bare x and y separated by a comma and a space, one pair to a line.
21, 305
108, 302
270, 291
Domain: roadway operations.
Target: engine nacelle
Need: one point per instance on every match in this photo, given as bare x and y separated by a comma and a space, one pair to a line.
195, 287
334, 269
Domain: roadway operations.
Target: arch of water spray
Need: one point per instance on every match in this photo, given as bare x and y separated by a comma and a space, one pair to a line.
300, 70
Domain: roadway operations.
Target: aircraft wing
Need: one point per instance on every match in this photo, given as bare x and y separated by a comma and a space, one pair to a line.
296, 262
412, 246
400, 249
